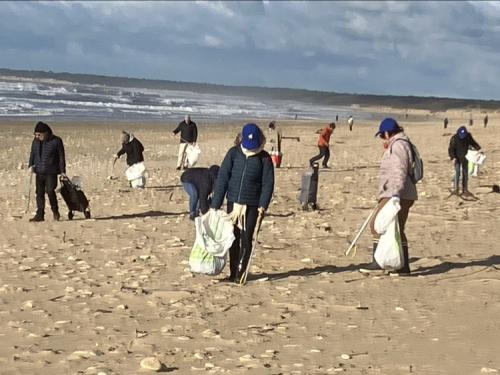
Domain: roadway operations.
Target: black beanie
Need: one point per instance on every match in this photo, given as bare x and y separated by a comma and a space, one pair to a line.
42, 127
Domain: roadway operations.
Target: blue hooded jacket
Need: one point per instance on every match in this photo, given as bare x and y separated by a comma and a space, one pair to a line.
244, 179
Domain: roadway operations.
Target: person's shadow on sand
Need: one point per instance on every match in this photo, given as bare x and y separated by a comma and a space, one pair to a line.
444, 267
307, 272
141, 215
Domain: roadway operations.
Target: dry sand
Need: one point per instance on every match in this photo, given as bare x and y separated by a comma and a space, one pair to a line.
98, 296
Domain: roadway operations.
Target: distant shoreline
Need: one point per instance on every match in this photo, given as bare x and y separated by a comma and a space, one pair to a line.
435, 104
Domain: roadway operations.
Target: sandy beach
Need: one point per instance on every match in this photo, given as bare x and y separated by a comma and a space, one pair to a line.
97, 296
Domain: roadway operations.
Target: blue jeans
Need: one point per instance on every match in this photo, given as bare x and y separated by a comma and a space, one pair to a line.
193, 198
461, 168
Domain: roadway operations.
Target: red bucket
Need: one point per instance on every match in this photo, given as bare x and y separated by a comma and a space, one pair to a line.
276, 157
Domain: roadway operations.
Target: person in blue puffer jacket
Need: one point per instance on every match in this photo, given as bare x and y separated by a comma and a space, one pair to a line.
47, 160
246, 179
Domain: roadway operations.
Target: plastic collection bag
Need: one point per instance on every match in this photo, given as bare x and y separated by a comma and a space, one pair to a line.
476, 157
136, 174
389, 252
192, 154
214, 237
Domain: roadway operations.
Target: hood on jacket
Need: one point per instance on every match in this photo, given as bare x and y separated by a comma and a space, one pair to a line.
42, 127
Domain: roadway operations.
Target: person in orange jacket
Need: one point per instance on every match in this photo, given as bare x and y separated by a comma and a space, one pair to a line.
324, 145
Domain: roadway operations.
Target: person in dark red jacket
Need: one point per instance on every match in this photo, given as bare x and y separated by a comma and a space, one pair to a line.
47, 160
324, 145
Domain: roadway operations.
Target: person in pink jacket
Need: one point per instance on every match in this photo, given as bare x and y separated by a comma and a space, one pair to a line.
395, 181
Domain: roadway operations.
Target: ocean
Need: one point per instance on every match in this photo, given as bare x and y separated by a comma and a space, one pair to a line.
60, 99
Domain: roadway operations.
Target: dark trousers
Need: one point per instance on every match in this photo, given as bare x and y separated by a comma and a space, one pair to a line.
46, 183
461, 168
324, 151
241, 248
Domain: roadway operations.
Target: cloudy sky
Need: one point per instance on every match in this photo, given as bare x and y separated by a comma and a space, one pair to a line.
400, 48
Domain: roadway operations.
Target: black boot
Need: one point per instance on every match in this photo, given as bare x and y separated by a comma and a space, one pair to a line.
406, 261
56, 214
373, 266
38, 217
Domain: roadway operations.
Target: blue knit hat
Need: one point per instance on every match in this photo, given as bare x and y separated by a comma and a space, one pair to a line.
251, 136
388, 125
462, 132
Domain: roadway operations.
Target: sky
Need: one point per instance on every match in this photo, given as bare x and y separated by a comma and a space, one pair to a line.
420, 48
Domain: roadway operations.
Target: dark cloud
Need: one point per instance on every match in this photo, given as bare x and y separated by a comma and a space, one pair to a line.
411, 48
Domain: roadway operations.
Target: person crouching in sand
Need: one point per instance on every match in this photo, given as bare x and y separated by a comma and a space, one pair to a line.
199, 184
394, 181
246, 178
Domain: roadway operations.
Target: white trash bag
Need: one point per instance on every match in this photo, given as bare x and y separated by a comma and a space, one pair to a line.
192, 154
214, 237
136, 174
389, 251
476, 157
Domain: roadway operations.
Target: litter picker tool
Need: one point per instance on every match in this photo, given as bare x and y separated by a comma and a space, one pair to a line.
29, 193
360, 232
243, 277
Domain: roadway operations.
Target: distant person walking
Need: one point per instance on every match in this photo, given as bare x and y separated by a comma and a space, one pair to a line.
471, 121
189, 135
485, 121
324, 145
47, 160
445, 122
350, 122
395, 181
336, 118
246, 179
199, 184
274, 136
458, 148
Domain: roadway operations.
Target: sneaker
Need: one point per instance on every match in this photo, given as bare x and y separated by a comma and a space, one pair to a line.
57, 216
192, 217
326, 167
37, 218
178, 168
371, 268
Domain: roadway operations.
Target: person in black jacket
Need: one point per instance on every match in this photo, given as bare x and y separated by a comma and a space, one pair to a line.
47, 160
458, 148
189, 135
246, 179
199, 184
132, 147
